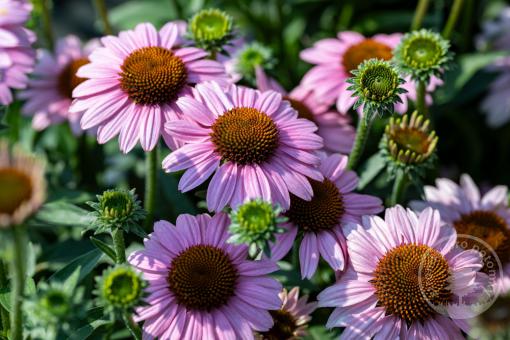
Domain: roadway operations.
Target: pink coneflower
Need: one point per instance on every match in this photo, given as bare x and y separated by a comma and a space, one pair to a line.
16, 55
202, 287
253, 142
134, 82
290, 321
406, 273
49, 93
320, 220
334, 127
484, 217
336, 57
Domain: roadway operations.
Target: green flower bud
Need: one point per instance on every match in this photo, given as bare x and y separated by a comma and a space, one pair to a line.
409, 144
376, 83
251, 56
255, 223
118, 209
120, 288
211, 29
422, 54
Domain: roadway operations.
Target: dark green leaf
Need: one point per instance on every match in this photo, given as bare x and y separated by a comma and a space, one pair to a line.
370, 169
86, 263
105, 248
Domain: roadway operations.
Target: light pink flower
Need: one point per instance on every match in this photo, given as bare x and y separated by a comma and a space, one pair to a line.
134, 82
405, 274
253, 143
484, 217
202, 287
336, 57
321, 220
290, 321
333, 127
49, 93
16, 55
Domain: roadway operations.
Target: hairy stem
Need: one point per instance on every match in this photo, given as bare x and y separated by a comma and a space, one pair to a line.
360, 141
421, 92
18, 270
133, 327
399, 188
151, 173
46, 23
118, 245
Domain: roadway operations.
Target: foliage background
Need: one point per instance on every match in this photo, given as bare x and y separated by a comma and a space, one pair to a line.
79, 168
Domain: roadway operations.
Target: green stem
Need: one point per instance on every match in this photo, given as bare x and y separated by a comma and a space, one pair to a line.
132, 326
18, 280
359, 143
102, 11
151, 173
46, 23
419, 14
420, 98
452, 19
119, 245
4, 286
399, 187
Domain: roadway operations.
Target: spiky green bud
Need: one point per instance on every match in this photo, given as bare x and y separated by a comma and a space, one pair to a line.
256, 223
118, 208
377, 84
251, 56
120, 288
211, 29
409, 144
422, 54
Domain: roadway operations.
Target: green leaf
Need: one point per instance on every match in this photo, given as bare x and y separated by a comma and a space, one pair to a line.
96, 319
5, 294
64, 214
86, 263
370, 169
105, 248
458, 79
320, 333
127, 15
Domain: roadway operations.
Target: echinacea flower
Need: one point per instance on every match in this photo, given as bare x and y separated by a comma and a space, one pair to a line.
406, 275
408, 144
202, 287
16, 54
333, 127
253, 142
290, 321
23, 185
134, 81
49, 93
495, 36
335, 58
321, 219
484, 217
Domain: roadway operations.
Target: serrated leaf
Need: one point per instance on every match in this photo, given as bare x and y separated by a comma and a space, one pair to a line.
105, 248
96, 319
86, 263
370, 169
